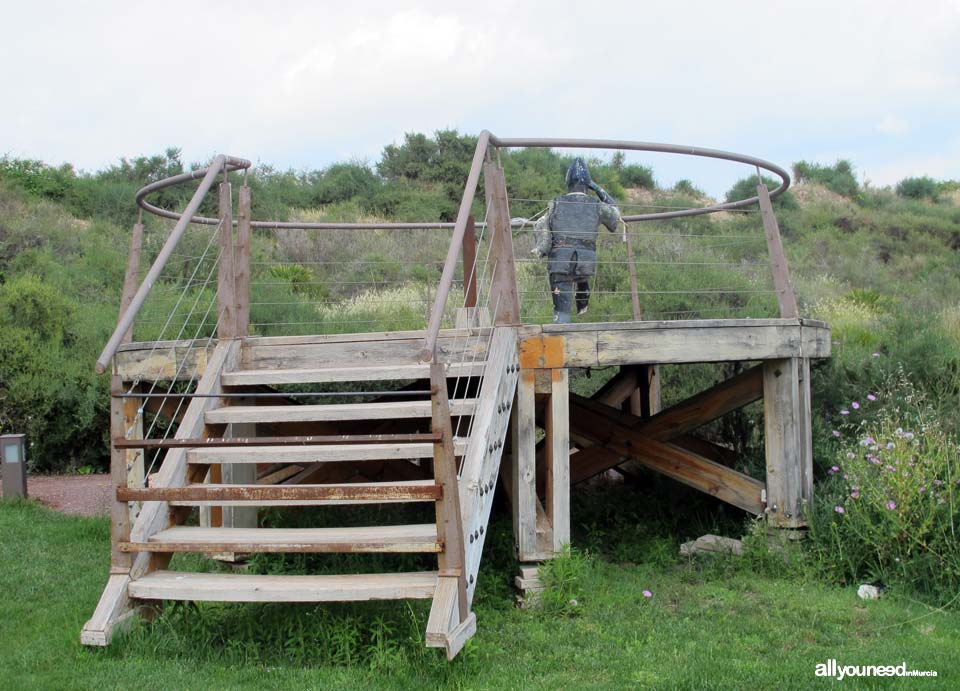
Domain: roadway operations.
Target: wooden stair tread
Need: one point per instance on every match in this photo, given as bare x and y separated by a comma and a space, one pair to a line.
383, 538
287, 495
228, 587
315, 454
322, 375
381, 410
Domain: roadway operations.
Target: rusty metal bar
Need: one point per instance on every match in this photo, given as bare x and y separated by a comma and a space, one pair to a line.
284, 493
470, 264
456, 242
666, 149
309, 440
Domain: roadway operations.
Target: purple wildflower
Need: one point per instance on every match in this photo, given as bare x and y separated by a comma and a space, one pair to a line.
839, 509
871, 397
875, 355
923, 488
833, 470
844, 412
891, 504
647, 593
855, 405
836, 433
854, 494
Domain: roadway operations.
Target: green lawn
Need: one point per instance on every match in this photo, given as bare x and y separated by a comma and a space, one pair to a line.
716, 624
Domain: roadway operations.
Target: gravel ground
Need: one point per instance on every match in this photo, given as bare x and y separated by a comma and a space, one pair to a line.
80, 495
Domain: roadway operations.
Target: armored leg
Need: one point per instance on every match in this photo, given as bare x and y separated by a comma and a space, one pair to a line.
583, 295
562, 290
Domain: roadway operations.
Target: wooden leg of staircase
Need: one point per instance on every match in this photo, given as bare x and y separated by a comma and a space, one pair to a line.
450, 619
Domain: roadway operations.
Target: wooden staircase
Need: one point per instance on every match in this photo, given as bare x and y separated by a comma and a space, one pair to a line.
316, 456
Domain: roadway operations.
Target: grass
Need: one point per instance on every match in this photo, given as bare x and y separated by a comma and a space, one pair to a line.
710, 624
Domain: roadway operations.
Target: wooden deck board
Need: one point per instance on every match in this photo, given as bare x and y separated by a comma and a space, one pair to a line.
228, 587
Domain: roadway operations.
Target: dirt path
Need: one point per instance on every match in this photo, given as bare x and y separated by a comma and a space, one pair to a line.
79, 495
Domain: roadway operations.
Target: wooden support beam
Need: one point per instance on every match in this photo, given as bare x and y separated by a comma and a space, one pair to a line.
558, 459
120, 511
449, 518
524, 468
133, 426
504, 295
778, 259
785, 445
242, 262
131, 279
469, 254
226, 276
240, 474
620, 432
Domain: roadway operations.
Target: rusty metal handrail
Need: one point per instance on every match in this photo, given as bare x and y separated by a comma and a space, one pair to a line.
666, 149
220, 164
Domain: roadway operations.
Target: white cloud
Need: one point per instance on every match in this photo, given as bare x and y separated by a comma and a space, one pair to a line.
942, 165
891, 124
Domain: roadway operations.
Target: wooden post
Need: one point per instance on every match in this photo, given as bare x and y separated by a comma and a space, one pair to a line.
558, 458
452, 559
504, 295
226, 287
120, 510
646, 400
242, 257
130, 279
523, 480
778, 260
469, 255
784, 442
806, 439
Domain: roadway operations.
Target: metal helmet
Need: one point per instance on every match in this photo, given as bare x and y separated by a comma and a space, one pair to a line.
578, 175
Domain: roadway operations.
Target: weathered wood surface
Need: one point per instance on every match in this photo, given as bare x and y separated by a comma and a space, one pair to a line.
287, 495
333, 412
788, 462
782, 282
131, 279
242, 262
449, 519
381, 538
119, 510
323, 375
226, 274
504, 297
228, 587
314, 454
625, 435
524, 468
114, 606
558, 459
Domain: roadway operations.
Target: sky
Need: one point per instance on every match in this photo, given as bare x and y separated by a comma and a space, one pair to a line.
303, 84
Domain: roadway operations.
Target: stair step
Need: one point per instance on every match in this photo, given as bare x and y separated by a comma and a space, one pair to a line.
325, 375
315, 454
337, 412
286, 495
383, 538
229, 587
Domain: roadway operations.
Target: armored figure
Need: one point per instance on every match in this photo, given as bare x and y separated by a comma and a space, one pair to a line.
567, 236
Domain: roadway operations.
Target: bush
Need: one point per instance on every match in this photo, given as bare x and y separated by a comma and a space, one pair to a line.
686, 187
887, 511
918, 188
635, 175
839, 177
747, 187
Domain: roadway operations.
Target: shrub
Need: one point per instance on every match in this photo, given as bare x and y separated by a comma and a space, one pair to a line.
684, 186
635, 175
839, 177
887, 512
918, 188
747, 187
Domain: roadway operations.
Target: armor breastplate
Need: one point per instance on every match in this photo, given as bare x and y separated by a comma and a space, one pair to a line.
574, 221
